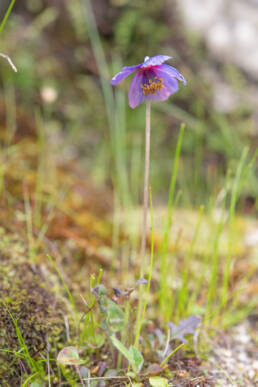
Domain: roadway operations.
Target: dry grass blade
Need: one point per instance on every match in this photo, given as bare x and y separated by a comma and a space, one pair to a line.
9, 61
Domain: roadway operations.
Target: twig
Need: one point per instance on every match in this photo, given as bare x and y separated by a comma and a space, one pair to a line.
108, 378
9, 61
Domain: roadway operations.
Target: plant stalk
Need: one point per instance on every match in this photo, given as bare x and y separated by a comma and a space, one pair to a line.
146, 182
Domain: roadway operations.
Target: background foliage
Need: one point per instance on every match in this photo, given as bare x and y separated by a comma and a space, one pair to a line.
51, 45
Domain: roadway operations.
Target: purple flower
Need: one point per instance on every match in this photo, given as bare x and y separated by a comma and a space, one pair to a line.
153, 80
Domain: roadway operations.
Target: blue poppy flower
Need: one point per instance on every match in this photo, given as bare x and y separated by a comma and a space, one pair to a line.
153, 80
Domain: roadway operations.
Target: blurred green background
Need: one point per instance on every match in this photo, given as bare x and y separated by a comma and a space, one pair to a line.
66, 53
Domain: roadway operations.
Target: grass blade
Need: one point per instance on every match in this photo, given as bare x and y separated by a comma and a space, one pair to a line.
7, 14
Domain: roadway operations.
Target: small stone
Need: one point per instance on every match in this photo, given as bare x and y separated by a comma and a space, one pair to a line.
251, 374
243, 357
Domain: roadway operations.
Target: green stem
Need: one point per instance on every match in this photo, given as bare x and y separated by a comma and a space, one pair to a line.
166, 297
233, 201
7, 14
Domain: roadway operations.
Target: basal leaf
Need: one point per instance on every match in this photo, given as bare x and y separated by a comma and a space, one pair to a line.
120, 346
138, 358
115, 316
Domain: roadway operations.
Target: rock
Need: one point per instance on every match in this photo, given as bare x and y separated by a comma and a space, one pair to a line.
229, 29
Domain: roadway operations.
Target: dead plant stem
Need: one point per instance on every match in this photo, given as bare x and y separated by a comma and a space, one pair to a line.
9, 61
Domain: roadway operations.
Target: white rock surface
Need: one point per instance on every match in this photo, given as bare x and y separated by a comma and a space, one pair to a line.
229, 28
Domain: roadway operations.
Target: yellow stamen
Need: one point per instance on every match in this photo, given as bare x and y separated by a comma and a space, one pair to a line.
153, 86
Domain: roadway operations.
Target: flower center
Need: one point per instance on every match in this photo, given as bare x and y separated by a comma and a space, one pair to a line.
153, 86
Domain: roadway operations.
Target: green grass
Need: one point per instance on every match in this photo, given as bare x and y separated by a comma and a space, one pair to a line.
142, 310
7, 14
35, 367
166, 298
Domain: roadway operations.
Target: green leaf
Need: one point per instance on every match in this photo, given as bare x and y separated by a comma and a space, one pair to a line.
158, 381
132, 375
120, 346
69, 356
115, 317
133, 355
138, 358
7, 14
99, 340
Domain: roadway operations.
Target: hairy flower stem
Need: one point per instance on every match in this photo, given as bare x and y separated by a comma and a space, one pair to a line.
146, 182
144, 223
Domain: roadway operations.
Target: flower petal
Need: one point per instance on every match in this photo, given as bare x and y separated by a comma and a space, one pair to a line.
166, 91
172, 72
123, 74
135, 92
170, 85
155, 61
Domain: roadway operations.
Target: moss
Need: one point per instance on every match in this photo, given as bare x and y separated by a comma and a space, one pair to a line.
25, 291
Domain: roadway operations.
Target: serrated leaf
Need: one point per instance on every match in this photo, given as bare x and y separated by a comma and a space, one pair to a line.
69, 356
158, 381
184, 327
138, 358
